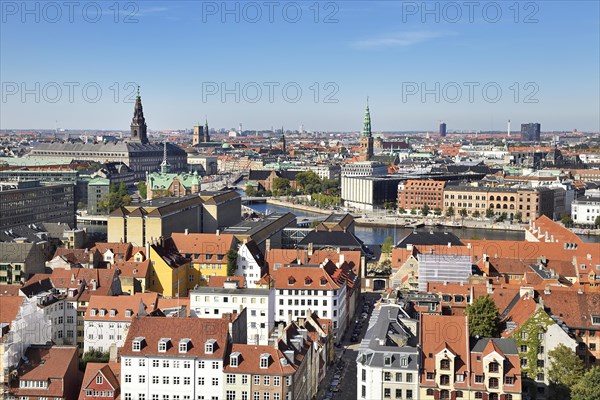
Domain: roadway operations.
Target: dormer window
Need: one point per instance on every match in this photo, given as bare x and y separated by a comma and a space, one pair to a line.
137, 343
102, 312
184, 345
595, 319
264, 360
291, 280
307, 281
445, 364
209, 346
404, 362
113, 312
128, 313
387, 360
99, 380
93, 312
163, 344
323, 281
234, 359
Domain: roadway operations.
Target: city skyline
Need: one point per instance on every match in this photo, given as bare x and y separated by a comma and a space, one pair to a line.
472, 70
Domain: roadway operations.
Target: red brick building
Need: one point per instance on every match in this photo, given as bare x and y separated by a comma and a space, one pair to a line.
418, 193
101, 381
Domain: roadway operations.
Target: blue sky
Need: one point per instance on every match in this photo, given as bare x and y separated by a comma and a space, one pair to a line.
544, 60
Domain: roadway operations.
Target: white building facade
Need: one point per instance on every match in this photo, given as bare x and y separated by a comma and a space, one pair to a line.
107, 321
174, 359
586, 209
302, 289
210, 302
248, 265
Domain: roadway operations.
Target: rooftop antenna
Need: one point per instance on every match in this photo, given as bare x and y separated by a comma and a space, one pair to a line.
508, 132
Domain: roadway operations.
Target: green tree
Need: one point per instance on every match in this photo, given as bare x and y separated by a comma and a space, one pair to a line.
463, 212
476, 214
308, 182
425, 210
250, 191
597, 221
401, 210
566, 220
489, 213
566, 369
388, 244
142, 189
588, 386
122, 190
450, 211
502, 217
413, 211
232, 256
93, 356
483, 317
519, 216
389, 205
280, 186
331, 187
437, 211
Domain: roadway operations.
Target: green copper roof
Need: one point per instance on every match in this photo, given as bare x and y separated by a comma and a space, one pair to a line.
98, 181
366, 132
158, 181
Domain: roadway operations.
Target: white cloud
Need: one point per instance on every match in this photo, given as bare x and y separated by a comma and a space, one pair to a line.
400, 39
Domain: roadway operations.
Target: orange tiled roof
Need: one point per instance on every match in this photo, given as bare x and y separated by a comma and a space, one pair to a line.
110, 371
199, 330
249, 361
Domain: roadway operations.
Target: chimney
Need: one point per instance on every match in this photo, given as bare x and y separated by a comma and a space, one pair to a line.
186, 231
72, 277
468, 245
552, 238
546, 236
342, 259
449, 244
218, 232
580, 291
310, 249
409, 247
547, 290
267, 245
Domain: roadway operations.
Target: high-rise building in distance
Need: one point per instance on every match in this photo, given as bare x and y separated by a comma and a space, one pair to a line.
443, 129
531, 132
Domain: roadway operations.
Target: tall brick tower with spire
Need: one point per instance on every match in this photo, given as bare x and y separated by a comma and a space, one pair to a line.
138, 123
366, 138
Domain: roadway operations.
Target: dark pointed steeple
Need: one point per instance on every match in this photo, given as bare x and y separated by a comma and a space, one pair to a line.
138, 123
283, 143
206, 135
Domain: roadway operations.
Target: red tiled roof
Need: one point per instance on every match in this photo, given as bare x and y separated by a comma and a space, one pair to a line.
110, 371
219, 281
249, 361
199, 330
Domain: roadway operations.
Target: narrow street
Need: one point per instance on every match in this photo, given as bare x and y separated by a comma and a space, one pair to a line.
344, 368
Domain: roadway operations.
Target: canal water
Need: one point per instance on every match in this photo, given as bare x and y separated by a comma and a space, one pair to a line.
376, 235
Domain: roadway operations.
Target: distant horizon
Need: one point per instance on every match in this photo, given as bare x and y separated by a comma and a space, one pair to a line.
188, 130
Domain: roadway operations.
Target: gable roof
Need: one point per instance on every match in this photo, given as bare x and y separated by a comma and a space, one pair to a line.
110, 371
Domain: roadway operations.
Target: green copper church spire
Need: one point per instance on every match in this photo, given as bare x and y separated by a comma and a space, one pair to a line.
366, 132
